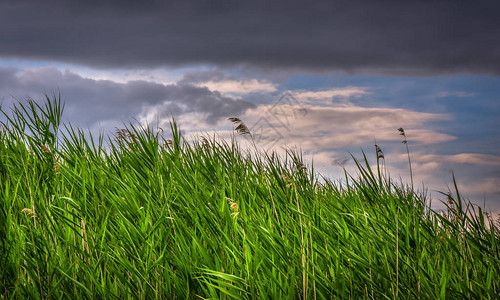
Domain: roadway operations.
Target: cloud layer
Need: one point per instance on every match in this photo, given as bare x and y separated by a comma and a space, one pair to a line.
316, 127
216, 80
397, 37
90, 102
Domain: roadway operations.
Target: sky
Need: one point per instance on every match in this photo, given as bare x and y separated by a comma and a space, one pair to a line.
326, 77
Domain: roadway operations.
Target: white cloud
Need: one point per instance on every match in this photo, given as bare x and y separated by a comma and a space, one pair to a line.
336, 92
330, 96
461, 158
124, 76
240, 86
485, 185
337, 127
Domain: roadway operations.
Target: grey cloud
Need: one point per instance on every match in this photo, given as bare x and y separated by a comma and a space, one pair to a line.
7, 77
203, 76
388, 36
89, 102
190, 98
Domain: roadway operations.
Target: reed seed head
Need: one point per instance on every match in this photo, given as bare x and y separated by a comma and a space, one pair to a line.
57, 167
205, 143
29, 212
124, 135
45, 148
241, 128
380, 154
234, 207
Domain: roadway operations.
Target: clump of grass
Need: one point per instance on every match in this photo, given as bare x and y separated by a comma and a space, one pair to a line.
140, 217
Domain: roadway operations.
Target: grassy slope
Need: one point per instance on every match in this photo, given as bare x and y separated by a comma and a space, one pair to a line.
148, 218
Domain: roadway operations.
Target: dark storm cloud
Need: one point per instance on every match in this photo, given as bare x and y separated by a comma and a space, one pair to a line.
90, 101
399, 37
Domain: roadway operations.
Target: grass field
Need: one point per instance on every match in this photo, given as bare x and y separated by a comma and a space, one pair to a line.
139, 216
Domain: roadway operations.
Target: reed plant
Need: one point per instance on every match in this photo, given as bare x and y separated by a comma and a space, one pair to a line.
137, 215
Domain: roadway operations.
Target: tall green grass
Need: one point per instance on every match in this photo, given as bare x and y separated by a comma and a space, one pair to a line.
137, 216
